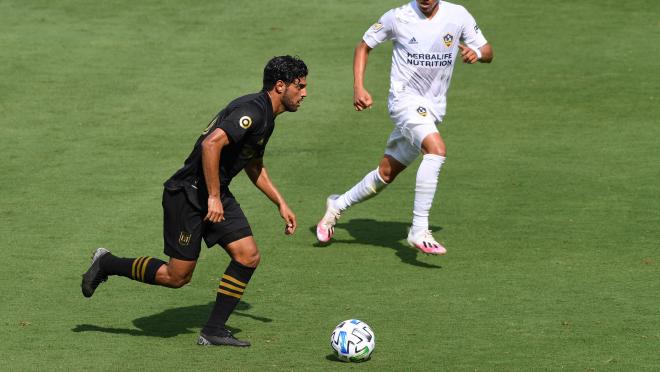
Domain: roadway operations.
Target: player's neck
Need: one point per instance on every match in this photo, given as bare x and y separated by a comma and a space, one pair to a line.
276, 102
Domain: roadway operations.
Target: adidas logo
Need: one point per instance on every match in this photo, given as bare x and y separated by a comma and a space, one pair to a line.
412, 41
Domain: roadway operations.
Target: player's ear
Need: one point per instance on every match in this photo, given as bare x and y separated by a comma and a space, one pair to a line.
279, 87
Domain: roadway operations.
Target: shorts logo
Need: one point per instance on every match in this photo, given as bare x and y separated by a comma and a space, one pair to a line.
184, 238
377, 27
245, 122
422, 111
476, 28
448, 39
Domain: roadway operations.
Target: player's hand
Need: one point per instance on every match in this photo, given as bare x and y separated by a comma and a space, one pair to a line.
289, 219
468, 55
361, 99
216, 213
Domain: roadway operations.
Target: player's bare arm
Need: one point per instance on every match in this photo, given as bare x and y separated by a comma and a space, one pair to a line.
211, 148
361, 97
470, 56
257, 173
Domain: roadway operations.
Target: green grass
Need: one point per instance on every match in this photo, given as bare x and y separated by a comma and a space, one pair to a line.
549, 203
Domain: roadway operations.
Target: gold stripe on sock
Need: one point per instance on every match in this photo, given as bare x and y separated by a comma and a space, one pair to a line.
144, 268
136, 262
229, 293
234, 280
138, 268
237, 289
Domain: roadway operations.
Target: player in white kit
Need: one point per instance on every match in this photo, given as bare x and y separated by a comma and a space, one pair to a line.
427, 37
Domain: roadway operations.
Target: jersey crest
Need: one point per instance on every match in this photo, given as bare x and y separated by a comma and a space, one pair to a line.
245, 122
448, 40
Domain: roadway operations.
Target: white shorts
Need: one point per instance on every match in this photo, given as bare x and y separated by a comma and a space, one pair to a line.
413, 121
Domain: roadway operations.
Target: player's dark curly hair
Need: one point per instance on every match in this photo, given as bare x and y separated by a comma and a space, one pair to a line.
285, 68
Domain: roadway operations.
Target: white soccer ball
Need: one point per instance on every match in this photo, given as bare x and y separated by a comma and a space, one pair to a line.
353, 341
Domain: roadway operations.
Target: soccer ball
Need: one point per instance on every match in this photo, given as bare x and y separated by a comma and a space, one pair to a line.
353, 341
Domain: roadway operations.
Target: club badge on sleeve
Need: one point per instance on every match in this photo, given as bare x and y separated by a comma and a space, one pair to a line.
245, 122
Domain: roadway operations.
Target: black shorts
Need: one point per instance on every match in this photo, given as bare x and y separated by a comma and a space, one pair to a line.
184, 225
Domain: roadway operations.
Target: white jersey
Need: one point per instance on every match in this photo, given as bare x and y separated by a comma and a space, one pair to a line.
424, 50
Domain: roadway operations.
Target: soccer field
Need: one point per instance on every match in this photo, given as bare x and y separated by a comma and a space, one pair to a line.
549, 203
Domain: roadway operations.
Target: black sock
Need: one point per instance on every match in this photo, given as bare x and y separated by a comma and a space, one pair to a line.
232, 286
142, 269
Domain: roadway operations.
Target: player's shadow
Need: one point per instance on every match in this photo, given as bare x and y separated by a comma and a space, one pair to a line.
172, 322
387, 234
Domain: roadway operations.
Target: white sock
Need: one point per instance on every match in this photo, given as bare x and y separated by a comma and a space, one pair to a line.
370, 185
427, 182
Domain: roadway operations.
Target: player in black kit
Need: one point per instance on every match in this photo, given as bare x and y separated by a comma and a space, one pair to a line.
197, 202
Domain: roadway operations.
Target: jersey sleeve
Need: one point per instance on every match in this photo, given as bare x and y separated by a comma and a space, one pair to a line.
472, 35
380, 31
240, 121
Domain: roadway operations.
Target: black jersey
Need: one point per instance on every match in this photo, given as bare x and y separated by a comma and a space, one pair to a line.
249, 123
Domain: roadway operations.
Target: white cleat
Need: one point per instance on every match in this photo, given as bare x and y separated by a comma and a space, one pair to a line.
425, 242
326, 227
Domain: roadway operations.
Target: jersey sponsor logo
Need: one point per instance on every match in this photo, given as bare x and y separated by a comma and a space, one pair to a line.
377, 27
429, 59
184, 238
413, 41
422, 111
245, 122
448, 40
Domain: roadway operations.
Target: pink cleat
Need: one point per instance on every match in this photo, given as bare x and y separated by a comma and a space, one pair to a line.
425, 242
326, 227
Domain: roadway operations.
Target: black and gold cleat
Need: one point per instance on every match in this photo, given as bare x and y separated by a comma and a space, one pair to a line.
223, 337
94, 275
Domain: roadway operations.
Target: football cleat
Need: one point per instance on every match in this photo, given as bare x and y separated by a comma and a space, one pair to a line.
224, 337
425, 242
94, 275
326, 227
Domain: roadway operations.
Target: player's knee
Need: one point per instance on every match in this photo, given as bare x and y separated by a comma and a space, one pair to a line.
387, 175
251, 259
389, 172
180, 281
436, 150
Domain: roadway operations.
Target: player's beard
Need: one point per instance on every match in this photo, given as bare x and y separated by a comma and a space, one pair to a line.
289, 104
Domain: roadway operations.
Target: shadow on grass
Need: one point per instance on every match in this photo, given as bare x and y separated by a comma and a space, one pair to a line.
172, 322
333, 358
386, 234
